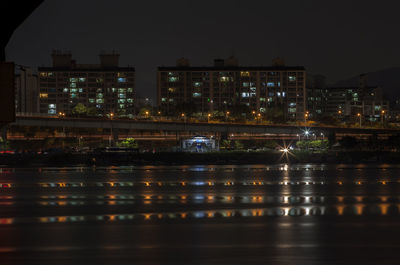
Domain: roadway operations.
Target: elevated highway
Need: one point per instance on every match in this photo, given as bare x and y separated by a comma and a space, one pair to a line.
190, 127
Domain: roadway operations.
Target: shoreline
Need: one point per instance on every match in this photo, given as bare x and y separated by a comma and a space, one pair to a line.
214, 158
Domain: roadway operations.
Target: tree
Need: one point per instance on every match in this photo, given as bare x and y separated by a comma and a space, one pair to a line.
79, 109
239, 145
91, 111
328, 120
275, 114
226, 144
240, 111
188, 108
129, 143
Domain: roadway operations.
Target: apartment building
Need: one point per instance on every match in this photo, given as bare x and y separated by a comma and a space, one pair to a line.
27, 91
348, 102
219, 87
102, 88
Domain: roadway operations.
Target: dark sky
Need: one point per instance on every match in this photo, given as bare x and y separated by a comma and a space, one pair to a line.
337, 38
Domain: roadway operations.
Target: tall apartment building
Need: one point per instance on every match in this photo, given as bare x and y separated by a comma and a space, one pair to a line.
27, 91
103, 88
226, 84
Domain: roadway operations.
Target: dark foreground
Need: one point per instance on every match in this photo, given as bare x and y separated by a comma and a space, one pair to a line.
299, 214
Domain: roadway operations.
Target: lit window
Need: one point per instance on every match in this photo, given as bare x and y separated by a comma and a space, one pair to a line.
163, 99
73, 95
196, 95
91, 100
129, 90
72, 79
80, 90
262, 99
245, 84
72, 84
43, 74
121, 79
82, 79
65, 90
244, 74
197, 84
129, 100
173, 79
225, 79
270, 84
99, 95
292, 78
121, 106
44, 95
99, 100
121, 96
121, 90
245, 95
171, 89
121, 100
74, 90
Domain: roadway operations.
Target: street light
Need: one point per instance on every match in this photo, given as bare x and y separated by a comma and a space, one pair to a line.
359, 115
305, 117
208, 117
322, 134
62, 115
227, 115
383, 116
111, 130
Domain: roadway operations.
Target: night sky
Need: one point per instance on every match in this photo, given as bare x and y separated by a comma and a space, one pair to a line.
339, 39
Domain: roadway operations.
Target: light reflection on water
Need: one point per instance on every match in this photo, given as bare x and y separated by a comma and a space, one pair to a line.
340, 210
200, 192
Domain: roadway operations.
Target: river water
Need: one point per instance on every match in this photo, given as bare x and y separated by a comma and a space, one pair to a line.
258, 214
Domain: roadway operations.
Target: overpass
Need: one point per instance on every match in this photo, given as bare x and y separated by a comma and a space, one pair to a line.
190, 127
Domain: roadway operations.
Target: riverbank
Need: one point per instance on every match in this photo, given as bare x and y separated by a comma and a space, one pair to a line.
215, 158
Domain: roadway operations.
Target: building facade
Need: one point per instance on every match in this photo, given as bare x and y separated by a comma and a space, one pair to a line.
219, 87
27, 92
102, 88
316, 96
348, 102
